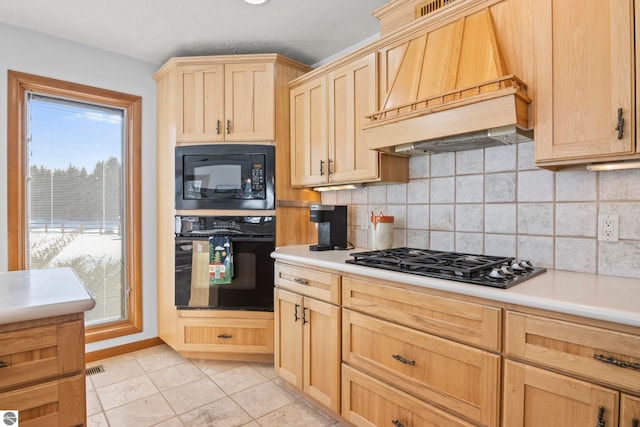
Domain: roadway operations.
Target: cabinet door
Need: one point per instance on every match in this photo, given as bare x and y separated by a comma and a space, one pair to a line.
321, 352
584, 64
288, 308
534, 397
629, 411
352, 95
249, 102
200, 103
309, 133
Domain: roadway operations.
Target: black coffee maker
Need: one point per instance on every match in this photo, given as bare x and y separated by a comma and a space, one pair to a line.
332, 226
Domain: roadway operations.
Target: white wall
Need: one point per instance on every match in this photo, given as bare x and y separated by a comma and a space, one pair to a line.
35, 53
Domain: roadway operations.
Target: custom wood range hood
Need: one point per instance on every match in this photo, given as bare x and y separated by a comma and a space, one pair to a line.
449, 90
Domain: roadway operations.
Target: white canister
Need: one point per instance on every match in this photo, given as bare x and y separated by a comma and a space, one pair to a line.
381, 231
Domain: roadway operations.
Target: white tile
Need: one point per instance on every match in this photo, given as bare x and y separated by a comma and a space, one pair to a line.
295, 414
265, 369
360, 196
418, 216
441, 241
158, 357
501, 158
418, 191
470, 189
378, 195
441, 218
174, 376
442, 190
189, 396
238, 379
418, 239
399, 238
397, 194
221, 413
126, 391
116, 369
419, 167
500, 218
470, 161
525, 156
470, 217
173, 422
576, 186
472, 243
148, 411
443, 164
253, 400
576, 255
343, 197
536, 218
399, 214
359, 237
500, 245
213, 367
619, 258
97, 420
629, 215
500, 187
360, 215
537, 249
328, 197
576, 219
93, 404
535, 186
619, 185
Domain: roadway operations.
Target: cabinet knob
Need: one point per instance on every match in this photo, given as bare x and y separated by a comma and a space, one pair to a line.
3, 364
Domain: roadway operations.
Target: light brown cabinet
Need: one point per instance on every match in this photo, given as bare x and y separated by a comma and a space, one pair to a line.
629, 411
328, 111
584, 62
42, 373
226, 102
535, 397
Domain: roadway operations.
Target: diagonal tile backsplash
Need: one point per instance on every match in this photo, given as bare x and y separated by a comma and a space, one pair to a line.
495, 201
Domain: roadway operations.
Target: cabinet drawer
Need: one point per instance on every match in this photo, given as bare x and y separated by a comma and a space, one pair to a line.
312, 283
467, 322
226, 335
55, 403
41, 352
455, 376
368, 402
605, 355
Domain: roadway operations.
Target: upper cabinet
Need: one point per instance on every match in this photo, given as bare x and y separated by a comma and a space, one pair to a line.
226, 102
585, 84
328, 112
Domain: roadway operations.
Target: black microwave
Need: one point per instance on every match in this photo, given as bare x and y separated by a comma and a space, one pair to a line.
225, 176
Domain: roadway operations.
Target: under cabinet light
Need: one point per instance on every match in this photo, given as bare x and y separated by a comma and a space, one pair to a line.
340, 187
614, 166
255, 1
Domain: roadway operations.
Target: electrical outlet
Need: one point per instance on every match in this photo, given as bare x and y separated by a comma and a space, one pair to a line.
608, 228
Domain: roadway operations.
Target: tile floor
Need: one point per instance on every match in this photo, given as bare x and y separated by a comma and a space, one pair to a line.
158, 387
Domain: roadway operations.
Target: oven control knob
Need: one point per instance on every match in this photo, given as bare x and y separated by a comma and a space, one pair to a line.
497, 273
507, 270
516, 267
526, 264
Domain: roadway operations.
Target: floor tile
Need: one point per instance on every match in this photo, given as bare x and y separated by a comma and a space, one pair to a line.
116, 369
221, 413
127, 391
174, 376
262, 399
97, 420
173, 422
238, 379
265, 369
213, 367
93, 403
193, 395
148, 411
158, 357
296, 414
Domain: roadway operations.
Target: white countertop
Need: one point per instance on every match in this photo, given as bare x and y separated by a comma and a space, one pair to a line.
614, 299
36, 294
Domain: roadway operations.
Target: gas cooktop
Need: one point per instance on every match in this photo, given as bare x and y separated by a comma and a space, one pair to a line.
495, 271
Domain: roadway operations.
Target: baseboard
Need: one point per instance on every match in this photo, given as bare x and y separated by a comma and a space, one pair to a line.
121, 349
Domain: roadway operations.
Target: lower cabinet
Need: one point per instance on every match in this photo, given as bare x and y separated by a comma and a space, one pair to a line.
248, 335
535, 397
307, 352
368, 402
629, 411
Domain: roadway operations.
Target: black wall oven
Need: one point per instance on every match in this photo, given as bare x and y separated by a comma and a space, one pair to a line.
224, 262
225, 176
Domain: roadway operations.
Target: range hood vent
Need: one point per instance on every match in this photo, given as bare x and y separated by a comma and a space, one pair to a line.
448, 90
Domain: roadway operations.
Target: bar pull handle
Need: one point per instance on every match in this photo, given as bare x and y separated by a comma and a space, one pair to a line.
600, 417
634, 422
612, 360
225, 336
301, 281
403, 360
228, 126
620, 127
3, 364
304, 315
397, 423
295, 314
218, 127
321, 167
330, 168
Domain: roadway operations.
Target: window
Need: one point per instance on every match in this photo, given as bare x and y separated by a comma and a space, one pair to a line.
74, 193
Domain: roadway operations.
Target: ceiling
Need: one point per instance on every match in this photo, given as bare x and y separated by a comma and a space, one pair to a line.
155, 30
